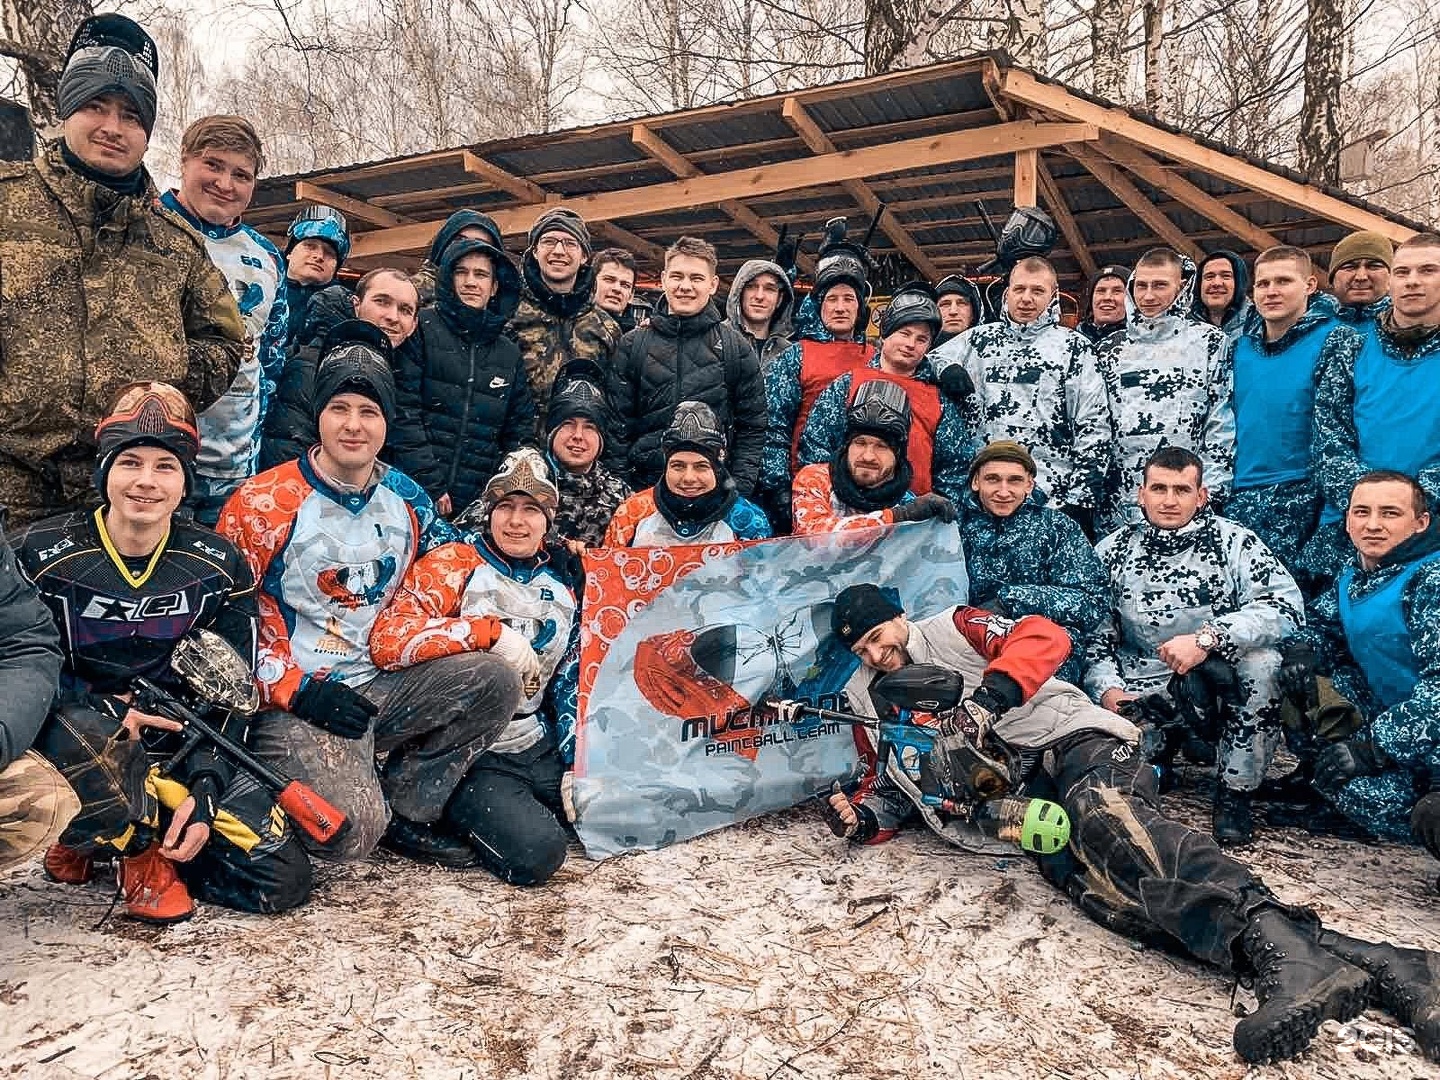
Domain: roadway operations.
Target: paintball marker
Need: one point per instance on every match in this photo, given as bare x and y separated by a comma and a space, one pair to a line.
217, 675
956, 766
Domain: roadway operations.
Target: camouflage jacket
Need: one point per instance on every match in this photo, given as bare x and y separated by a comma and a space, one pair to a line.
1037, 383
588, 501
1168, 383
1165, 582
1034, 562
552, 329
1336, 447
96, 290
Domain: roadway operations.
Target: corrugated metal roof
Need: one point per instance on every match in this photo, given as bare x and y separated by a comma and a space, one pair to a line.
935, 204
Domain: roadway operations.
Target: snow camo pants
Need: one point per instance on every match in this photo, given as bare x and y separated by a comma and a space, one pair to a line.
435, 721
1252, 734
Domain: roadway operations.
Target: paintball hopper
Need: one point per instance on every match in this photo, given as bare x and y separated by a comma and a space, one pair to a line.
1029, 231
211, 667
921, 688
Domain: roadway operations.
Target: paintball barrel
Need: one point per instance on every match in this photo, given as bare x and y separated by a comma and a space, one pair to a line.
1036, 825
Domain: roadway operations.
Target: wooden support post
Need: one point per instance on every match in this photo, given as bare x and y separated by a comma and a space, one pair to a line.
1027, 167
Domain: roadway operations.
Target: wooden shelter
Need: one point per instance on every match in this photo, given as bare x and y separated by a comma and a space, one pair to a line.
928, 143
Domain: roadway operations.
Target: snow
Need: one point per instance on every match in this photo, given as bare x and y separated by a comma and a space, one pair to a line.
770, 950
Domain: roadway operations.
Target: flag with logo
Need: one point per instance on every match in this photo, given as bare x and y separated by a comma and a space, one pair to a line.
682, 646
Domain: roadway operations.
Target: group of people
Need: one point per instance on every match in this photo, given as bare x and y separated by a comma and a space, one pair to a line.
1197, 526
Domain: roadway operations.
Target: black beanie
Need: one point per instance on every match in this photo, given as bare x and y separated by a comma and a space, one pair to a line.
859, 609
356, 358
577, 393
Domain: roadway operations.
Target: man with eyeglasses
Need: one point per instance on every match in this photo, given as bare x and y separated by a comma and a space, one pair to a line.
557, 320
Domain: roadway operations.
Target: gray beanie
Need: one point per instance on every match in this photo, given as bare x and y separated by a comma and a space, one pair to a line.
561, 219
110, 54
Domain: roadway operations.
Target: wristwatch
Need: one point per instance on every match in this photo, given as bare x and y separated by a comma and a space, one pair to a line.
1208, 638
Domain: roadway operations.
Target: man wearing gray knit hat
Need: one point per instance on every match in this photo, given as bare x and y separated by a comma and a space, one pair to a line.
557, 320
103, 285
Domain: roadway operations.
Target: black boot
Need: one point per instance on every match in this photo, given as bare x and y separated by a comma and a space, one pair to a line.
1233, 823
426, 844
1298, 984
1405, 983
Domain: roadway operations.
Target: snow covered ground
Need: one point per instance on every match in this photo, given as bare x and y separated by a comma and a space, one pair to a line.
769, 951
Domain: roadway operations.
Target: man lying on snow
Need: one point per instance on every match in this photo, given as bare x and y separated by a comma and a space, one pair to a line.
1129, 867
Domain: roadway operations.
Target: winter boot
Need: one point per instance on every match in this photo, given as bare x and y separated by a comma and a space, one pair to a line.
67, 866
1233, 824
1298, 985
427, 844
153, 892
1405, 983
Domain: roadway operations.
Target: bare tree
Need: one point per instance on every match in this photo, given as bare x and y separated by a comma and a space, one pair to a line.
36, 35
1320, 138
1109, 32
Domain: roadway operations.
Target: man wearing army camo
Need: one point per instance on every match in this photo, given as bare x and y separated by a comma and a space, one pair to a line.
1167, 379
1195, 596
1035, 382
99, 284
557, 320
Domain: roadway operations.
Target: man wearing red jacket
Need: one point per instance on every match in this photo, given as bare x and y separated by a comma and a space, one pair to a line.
1127, 865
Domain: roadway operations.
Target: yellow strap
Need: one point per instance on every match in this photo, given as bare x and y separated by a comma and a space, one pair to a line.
119, 560
172, 793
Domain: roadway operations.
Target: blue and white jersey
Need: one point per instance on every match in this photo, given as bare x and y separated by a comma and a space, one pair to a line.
230, 429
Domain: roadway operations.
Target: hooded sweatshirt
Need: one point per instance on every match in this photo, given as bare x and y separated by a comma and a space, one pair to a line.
1239, 307
966, 288
424, 278
1038, 384
778, 339
1167, 380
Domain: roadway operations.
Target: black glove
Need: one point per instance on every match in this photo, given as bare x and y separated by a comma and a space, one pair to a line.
1341, 762
866, 824
923, 507
205, 790
1202, 694
1425, 822
956, 382
777, 504
332, 706
1297, 674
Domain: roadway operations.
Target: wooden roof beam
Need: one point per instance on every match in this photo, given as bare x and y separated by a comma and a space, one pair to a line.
509, 183
1186, 193
1060, 210
650, 142
1120, 186
632, 242
356, 208
803, 124
919, 153
1021, 86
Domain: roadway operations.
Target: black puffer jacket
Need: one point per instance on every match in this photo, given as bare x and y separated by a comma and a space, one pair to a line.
468, 382
290, 428
685, 358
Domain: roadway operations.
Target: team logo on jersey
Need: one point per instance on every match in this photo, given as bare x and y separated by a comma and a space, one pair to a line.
358, 586
64, 544
214, 553
136, 609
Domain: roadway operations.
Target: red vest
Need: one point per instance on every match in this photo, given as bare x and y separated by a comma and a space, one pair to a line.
821, 363
924, 422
